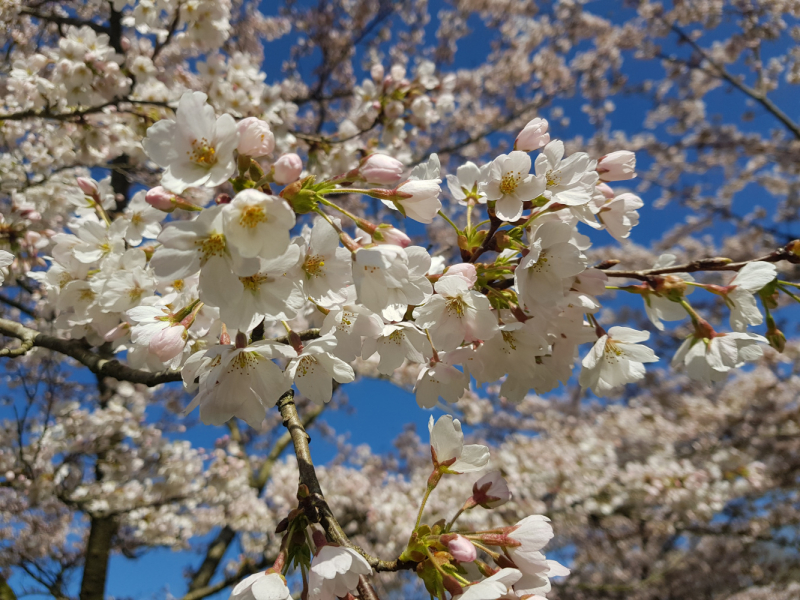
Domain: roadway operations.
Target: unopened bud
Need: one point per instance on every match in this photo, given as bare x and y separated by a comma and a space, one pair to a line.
462, 549
255, 137
224, 336
88, 186
533, 136
617, 166
222, 199
169, 342
287, 168
775, 336
386, 234
381, 169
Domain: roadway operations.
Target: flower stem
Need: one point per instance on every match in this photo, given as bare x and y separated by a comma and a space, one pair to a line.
454, 519
428, 491
794, 297
346, 213
453, 225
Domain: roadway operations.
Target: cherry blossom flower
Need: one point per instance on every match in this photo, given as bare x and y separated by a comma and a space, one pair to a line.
334, 573
440, 379
256, 224
267, 294
327, 270
312, 369
552, 258
98, 241
456, 314
196, 148
710, 360
510, 183
513, 353
201, 245
450, 455
396, 343
539, 584
236, 382
420, 192
619, 215
531, 534
491, 490
569, 181
389, 278
261, 586
748, 281
616, 359
491, 588
466, 183
144, 221
349, 324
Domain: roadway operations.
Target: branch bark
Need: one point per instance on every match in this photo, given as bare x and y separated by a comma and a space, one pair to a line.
308, 477
786, 253
98, 551
102, 367
218, 547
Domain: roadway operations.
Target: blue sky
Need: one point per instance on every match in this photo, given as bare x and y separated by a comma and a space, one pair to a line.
379, 411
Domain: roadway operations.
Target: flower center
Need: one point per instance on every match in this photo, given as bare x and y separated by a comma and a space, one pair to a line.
553, 178
252, 216
508, 338
203, 153
213, 245
611, 353
306, 365
178, 285
242, 363
456, 306
253, 283
313, 266
397, 337
136, 218
87, 295
510, 182
541, 264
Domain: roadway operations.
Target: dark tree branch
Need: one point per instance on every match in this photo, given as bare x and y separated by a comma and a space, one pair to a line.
216, 549
59, 20
787, 253
98, 551
308, 477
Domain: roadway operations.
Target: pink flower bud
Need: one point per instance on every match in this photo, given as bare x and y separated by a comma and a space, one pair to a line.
255, 137
287, 168
617, 166
491, 490
161, 199
169, 342
88, 186
606, 190
533, 136
381, 169
466, 271
386, 234
462, 549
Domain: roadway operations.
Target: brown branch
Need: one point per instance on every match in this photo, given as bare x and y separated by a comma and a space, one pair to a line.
48, 114
102, 367
308, 477
707, 264
760, 97
98, 551
59, 20
217, 548
171, 32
